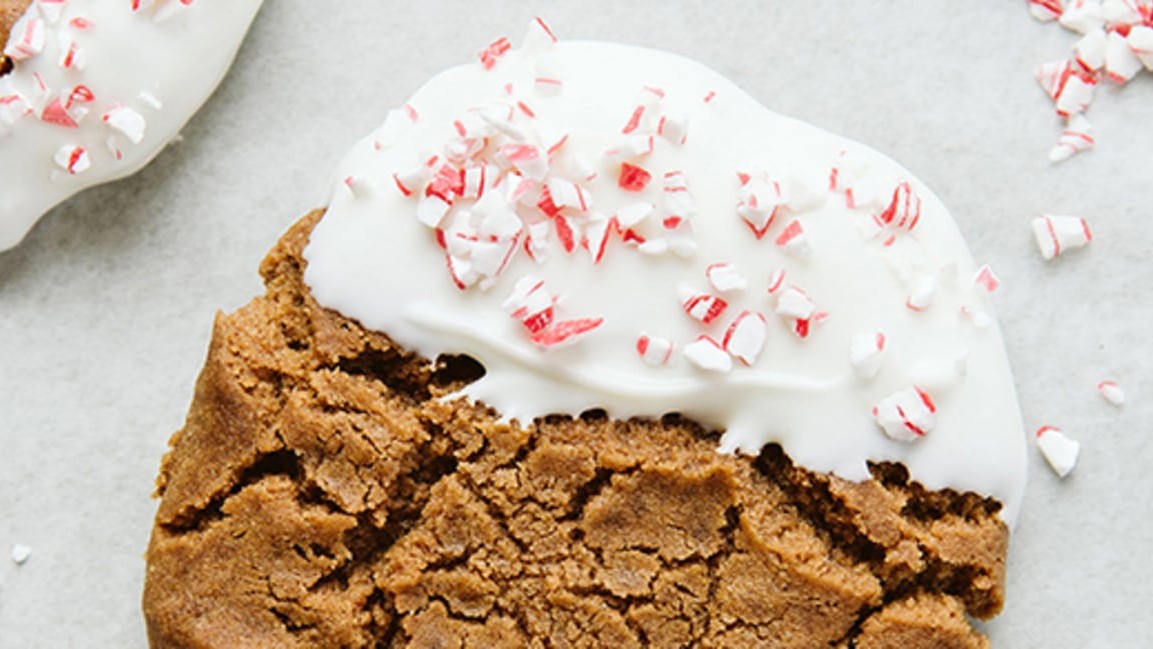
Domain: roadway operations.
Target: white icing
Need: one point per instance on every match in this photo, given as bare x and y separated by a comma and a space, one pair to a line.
370, 258
166, 51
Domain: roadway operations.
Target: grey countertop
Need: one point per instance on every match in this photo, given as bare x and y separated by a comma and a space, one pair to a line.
105, 309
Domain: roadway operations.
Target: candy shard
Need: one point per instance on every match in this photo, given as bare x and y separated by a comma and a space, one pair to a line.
127, 122
1046, 10
1121, 62
20, 553
793, 303
922, 296
1090, 50
73, 159
702, 306
1059, 451
654, 350
907, 415
986, 279
745, 337
1082, 15
1076, 137
793, 241
565, 332
707, 354
1141, 42
725, 277
26, 39
866, 352
1056, 234
1111, 392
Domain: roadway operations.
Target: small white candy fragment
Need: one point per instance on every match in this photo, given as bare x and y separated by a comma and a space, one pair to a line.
793, 303
922, 296
866, 351
701, 306
1141, 42
674, 128
745, 337
151, 100
539, 38
725, 277
1046, 10
1052, 76
20, 553
706, 353
1121, 63
978, 317
1090, 50
1077, 137
1075, 95
793, 241
630, 215
654, 350
431, 210
1082, 16
26, 39
127, 121
1059, 451
1111, 392
907, 415
1056, 234
1121, 12
73, 159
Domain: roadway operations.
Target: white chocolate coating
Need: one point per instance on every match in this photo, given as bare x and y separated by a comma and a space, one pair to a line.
170, 51
371, 259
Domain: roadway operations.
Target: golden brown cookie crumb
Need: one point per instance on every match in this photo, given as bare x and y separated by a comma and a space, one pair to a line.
322, 494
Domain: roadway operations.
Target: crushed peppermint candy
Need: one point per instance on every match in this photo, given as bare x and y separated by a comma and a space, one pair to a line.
655, 350
707, 354
1116, 44
745, 337
1056, 234
907, 415
1111, 392
725, 277
866, 353
1059, 451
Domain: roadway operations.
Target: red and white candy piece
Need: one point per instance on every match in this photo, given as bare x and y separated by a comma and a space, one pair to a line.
986, 279
1082, 15
745, 337
759, 200
1089, 52
677, 199
904, 209
702, 306
531, 303
707, 354
489, 55
1046, 10
1123, 12
907, 415
633, 178
646, 111
724, 277
527, 159
1077, 137
13, 105
26, 39
1141, 41
1076, 95
71, 56
565, 332
655, 350
539, 38
776, 281
1121, 62
923, 293
127, 122
674, 128
73, 159
866, 352
568, 194
1056, 234
792, 302
1059, 451
1111, 392
793, 241
852, 175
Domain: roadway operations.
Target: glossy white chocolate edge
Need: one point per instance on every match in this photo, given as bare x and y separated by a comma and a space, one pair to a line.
161, 62
370, 259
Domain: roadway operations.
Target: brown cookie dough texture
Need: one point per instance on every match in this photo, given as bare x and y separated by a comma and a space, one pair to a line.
323, 494
10, 12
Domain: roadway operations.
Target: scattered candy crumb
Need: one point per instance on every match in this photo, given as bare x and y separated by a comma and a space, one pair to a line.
1059, 451
20, 553
1111, 392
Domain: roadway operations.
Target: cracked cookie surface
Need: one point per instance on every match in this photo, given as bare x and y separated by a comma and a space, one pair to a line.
324, 492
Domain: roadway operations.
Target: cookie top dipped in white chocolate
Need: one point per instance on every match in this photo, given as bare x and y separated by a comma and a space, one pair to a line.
604, 226
98, 88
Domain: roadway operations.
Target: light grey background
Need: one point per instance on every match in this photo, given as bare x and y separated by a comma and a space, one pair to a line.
105, 309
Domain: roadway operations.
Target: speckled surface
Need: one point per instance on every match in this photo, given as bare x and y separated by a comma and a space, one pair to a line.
105, 309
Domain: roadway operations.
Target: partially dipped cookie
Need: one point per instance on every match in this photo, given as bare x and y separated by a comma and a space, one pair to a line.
589, 348
91, 91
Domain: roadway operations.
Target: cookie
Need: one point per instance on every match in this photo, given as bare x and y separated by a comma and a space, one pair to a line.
323, 493
589, 348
